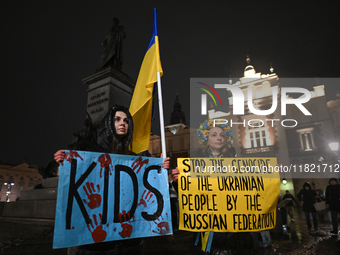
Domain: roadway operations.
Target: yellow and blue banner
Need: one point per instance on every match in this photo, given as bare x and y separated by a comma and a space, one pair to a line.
141, 102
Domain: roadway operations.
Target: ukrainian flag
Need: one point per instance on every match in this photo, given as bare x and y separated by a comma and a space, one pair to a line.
141, 102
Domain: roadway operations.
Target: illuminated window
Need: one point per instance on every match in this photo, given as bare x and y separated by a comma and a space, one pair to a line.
258, 134
306, 139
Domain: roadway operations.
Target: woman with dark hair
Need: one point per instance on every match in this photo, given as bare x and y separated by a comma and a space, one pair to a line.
216, 142
114, 136
115, 131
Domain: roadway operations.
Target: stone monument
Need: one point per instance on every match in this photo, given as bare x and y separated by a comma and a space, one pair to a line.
109, 85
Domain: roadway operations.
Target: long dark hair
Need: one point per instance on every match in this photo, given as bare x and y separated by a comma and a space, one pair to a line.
107, 136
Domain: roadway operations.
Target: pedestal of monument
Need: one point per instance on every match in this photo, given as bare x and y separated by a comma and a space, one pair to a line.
27, 225
106, 88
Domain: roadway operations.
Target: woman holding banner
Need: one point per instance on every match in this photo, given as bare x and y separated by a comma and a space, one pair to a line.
114, 136
216, 142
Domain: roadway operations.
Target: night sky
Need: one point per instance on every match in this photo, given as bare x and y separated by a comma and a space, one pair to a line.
48, 47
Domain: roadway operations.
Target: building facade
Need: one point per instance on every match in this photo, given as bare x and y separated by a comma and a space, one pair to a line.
295, 139
16, 178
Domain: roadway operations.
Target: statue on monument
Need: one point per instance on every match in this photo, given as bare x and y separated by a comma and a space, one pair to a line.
113, 47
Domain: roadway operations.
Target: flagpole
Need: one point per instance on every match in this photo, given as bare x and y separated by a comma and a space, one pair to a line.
161, 115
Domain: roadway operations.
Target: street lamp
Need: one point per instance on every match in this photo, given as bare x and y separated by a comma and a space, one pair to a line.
334, 146
9, 185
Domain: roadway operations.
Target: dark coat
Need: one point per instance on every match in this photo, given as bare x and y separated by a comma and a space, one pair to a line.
106, 131
290, 203
333, 196
308, 197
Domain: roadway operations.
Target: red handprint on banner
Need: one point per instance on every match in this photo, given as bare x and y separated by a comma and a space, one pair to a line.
162, 227
127, 228
71, 155
98, 234
94, 199
138, 163
146, 198
105, 161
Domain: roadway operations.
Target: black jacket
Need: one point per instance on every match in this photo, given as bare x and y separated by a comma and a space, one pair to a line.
333, 196
290, 203
308, 197
106, 131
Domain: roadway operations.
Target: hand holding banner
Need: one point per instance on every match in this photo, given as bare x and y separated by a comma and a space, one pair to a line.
107, 197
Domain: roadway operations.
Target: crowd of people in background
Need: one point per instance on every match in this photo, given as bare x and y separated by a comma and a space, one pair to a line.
309, 198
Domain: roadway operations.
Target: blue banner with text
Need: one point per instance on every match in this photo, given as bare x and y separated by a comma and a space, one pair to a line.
107, 197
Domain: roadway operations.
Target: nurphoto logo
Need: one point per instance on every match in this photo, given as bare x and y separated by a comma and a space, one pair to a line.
239, 102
